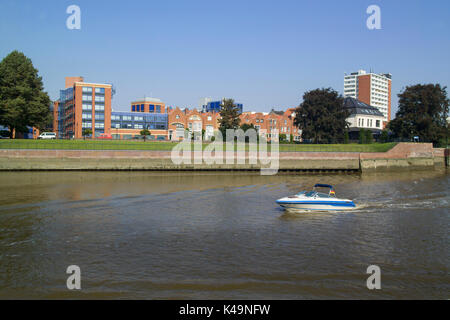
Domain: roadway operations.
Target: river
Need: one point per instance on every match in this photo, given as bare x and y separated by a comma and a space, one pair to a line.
144, 235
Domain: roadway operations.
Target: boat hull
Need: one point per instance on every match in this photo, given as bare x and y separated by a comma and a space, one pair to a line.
317, 205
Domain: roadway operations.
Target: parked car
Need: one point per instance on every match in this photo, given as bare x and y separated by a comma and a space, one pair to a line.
47, 135
104, 136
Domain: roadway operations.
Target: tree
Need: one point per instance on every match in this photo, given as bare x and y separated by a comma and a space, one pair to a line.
86, 132
247, 126
362, 136
369, 136
384, 136
346, 137
23, 101
422, 111
145, 133
230, 116
283, 137
322, 116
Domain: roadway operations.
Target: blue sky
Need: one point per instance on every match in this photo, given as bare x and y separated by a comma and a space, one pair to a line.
265, 54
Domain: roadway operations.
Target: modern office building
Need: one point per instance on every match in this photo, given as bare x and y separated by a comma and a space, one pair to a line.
216, 106
372, 89
203, 103
126, 125
83, 105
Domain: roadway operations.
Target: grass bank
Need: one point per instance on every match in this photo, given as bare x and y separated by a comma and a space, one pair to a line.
166, 146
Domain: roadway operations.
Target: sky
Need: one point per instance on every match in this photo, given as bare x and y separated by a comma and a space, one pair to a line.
264, 54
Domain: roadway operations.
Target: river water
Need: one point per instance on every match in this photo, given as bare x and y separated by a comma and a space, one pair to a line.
221, 236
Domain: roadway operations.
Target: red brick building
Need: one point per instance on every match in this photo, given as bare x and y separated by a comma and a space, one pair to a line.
83, 105
274, 120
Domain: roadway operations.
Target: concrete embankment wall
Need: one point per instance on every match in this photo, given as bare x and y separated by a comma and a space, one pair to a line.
403, 155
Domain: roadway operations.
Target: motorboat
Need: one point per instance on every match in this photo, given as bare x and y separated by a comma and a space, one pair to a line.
315, 200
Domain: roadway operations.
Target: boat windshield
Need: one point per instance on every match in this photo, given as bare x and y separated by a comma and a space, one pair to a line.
310, 193
323, 195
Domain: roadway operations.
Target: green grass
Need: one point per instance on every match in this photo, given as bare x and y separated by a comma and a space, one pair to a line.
166, 146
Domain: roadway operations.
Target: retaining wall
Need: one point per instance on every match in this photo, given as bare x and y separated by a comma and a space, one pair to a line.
402, 156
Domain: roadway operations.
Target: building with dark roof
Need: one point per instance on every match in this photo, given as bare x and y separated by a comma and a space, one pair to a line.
362, 116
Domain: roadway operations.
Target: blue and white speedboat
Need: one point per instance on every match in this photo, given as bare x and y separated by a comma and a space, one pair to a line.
314, 200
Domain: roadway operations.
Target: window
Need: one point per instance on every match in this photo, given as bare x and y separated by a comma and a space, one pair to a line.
133, 108
138, 126
87, 89
99, 107
99, 99
142, 108
87, 107
197, 126
152, 108
86, 125
100, 90
100, 116
100, 125
86, 116
138, 118
209, 118
378, 123
87, 98
158, 109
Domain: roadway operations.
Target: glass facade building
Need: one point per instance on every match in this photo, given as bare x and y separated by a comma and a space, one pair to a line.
66, 112
138, 121
216, 106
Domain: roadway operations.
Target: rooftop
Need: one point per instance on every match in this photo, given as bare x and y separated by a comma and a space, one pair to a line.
147, 99
358, 107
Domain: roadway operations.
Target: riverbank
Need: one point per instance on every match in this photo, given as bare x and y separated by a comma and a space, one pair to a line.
402, 156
